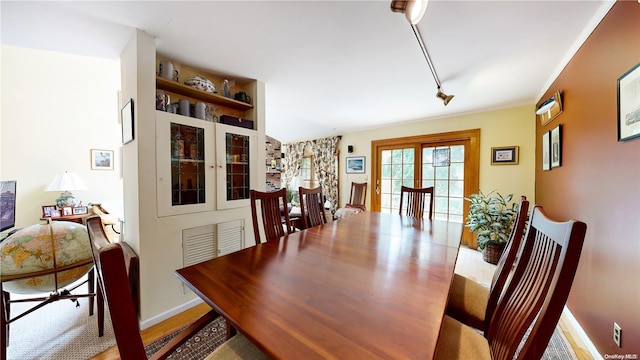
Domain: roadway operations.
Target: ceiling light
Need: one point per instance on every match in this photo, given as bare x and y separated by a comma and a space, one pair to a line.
444, 97
413, 9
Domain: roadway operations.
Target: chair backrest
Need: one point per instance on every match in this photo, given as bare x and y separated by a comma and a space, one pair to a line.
539, 288
413, 201
312, 207
358, 196
114, 284
274, 211
505, 264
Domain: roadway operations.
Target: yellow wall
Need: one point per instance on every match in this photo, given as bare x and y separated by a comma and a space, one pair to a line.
505, 127
55, 109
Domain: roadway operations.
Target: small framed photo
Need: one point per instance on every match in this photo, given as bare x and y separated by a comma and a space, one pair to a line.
629, 104
355, 165
126, 115
80, 210
546, 151
55, 213
67, 211
504, 155
47, 209
101, 159
556, 146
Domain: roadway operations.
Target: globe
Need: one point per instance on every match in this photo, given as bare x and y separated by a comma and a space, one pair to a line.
29, 251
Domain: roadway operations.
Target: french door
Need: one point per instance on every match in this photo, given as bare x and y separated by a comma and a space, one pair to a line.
448, 162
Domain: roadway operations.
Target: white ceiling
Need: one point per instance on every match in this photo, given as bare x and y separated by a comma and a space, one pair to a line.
332, 67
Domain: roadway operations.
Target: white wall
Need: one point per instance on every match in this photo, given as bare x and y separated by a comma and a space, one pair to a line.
505, 127
56, 108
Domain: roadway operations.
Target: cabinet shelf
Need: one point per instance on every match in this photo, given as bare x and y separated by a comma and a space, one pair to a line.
170, 85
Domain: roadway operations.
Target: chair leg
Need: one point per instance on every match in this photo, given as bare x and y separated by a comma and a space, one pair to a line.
4, 323
100, 301
91, 284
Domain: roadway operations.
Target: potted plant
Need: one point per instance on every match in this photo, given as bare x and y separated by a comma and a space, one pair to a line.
491, 218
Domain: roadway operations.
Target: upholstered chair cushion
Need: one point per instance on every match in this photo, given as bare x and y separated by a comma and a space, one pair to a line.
458, 341
236, 348
468, 301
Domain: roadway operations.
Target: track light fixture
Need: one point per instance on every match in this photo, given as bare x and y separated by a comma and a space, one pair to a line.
409, 7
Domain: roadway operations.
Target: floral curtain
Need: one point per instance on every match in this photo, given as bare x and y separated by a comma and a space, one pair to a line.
324, 160
292, 160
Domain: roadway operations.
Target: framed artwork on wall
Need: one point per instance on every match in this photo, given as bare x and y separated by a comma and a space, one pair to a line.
556, 146
549, 109
629, 104
127, 122
546, 146
101, 159
355, 165
505, 155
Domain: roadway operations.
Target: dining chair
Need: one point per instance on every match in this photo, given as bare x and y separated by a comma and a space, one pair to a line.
312, 207
529, 310
472, 303
113, 286
274, 212
416, 199
358, 196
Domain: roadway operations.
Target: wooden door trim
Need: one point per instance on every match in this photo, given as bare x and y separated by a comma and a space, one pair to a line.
472, 161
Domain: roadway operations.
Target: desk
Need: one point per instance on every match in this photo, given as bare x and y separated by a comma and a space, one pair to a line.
368, 286
80, 219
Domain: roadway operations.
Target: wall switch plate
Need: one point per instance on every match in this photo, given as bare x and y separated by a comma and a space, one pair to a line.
617, 334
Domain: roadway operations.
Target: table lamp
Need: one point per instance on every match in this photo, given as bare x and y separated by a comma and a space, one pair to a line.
66, 182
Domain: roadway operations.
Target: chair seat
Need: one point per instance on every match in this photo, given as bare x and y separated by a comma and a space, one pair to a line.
467, 301
458, 341
238, 347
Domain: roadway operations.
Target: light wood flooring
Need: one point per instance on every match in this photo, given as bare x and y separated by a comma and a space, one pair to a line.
469, 264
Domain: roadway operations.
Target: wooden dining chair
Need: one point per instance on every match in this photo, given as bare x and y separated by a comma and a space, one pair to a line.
113, 286
413, 201
312, 207
274, 211
529, 310
358, 196
472, 303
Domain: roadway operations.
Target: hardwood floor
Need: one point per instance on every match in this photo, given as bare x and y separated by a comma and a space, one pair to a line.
469, 264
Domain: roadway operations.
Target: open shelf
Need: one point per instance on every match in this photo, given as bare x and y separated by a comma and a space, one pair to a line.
174, 86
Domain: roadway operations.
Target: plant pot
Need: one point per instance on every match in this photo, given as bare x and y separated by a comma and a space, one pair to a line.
492, 252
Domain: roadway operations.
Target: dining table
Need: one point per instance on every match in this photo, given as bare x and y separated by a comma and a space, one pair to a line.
369, 286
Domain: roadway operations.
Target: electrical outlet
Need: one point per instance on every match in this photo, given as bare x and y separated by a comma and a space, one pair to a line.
617, 334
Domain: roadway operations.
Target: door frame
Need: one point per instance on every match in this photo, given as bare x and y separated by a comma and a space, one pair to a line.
471, 160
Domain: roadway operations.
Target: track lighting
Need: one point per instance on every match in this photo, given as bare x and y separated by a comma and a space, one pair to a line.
444, 97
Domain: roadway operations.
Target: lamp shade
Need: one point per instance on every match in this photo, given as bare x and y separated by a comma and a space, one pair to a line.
66, 182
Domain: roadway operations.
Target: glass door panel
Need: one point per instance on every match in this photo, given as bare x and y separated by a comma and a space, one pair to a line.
447, 177
187, 165
397, 168
237, 151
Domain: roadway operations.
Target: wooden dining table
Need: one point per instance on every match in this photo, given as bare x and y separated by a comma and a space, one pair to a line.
368, 286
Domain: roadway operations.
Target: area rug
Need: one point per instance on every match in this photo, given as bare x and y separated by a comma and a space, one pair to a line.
214, 334
58, 331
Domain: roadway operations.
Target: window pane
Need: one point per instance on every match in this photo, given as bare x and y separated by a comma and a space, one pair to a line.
457, 153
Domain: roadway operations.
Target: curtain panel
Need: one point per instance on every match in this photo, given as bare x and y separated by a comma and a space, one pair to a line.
324, 159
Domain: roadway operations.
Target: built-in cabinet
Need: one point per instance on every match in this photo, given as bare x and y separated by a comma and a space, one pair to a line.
203, 165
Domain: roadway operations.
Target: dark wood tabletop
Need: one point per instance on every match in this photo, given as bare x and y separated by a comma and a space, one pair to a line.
368, 286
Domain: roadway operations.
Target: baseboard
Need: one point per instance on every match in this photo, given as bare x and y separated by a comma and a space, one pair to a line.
167, 314
578, 333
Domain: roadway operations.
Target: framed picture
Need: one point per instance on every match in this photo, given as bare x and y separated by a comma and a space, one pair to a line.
101, 159
67, 211
47, 209
127, 122
546, 146
355, 165
549, 109
80, 210
55, 213
629, 104
504, 155
556, 146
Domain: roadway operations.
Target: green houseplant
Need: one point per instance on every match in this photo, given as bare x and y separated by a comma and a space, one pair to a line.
491, 218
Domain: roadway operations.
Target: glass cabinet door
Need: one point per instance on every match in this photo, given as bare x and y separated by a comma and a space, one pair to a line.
185, 161
237, 157
187, 165
236, 153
